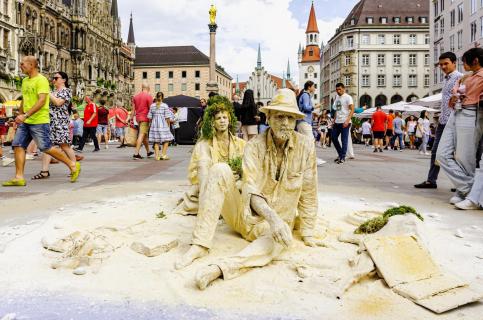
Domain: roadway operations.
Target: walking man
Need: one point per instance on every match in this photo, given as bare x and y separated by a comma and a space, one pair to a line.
90, 126
141, 104
34, 123
398, 126
344, 109
447, 63
378, 122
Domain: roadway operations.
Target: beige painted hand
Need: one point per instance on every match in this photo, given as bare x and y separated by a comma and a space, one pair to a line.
313, 242
281, 232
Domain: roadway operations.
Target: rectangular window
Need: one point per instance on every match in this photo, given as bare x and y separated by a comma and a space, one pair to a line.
381, 39
347, 80
171, 74
365, 60
435, 76
426, 80
473, 31
383, 20
452, 16
412, 59
370, 20
365, 80
436, 8
473, 6
423, 19
436, 29
197, 87
441, 26
409, 20
381, 80
396, 59
347, 60
315, 75
396, 39
306, 76
183, 74
459, 39
460, 12
451, 43
170, 87
426, 59
350, 41
396, 80
442, 5
397, 20
381, 59
426, 38
145, 75
197, 73
157, 87
412, 81
183, 87
412, 38
158, 75
366, 39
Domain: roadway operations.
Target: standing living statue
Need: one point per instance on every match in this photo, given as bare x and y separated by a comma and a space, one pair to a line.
218, 144
279, 181
212, 13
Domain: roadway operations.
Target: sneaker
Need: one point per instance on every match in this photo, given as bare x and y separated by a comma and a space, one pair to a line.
455, 199
6, 161
427, 153
95, 150
380, 150
467, 204
341, 161
150, 153
426, 185
29, 157
336, 159
320, 162
375, 150
137, 157
324, 146
400, 150
121, 146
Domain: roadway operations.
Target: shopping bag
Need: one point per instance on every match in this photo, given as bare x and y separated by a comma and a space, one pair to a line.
131, 136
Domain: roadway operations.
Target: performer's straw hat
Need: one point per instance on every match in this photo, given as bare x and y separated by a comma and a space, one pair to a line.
284, 101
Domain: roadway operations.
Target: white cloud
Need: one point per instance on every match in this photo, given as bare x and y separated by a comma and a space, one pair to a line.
242, 25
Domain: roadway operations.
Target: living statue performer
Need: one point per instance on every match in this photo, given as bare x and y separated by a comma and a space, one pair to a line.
279, 182
212, 13
218, 144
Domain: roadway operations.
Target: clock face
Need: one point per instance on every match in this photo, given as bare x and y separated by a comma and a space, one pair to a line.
310, 69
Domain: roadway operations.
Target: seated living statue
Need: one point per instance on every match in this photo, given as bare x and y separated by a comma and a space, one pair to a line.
279, 182
217, 144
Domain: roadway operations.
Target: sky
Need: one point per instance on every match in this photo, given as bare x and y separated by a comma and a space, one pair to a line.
277, 25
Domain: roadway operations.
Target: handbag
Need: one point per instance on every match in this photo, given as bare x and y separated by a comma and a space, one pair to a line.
131, 136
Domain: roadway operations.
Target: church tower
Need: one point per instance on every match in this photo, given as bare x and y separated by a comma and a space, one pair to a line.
130, 38
309, 58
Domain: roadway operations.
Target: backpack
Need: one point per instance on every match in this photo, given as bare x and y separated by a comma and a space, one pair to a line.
298, 99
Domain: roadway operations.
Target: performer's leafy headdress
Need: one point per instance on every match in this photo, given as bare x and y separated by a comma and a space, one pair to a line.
217, 104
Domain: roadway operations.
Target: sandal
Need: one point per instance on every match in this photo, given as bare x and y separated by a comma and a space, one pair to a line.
41, 175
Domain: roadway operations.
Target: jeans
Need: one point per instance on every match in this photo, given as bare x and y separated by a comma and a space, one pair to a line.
457, 149
339, 130
433, 168
476, 193
89, 132
424, 143
40, 133
400, 138
101, 129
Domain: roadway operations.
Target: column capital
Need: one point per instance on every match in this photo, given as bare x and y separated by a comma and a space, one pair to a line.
213, 27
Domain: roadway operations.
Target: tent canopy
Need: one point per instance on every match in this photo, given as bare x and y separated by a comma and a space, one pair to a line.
433, 101
182, 101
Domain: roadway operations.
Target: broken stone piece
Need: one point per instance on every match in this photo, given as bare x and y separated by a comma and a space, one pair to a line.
426, 288
459, 233
450, 299
80, 271
155, 246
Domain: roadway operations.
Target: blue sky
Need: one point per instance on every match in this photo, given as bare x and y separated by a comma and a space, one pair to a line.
278, 25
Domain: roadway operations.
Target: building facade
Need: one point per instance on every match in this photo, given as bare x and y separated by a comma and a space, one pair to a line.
380, 53
177, 70
309, 57
8, 50
79, 37
264, 84
456, 26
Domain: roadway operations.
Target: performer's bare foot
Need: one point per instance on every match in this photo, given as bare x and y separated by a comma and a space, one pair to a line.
195, 252
207, 275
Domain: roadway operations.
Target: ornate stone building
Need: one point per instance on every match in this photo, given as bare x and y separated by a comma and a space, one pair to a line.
8, 50
81, 38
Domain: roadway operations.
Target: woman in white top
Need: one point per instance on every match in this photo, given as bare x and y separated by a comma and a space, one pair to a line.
411, 128
366, 131
423, 131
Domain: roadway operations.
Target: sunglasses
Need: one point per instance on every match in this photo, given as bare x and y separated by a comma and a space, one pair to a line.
55, 78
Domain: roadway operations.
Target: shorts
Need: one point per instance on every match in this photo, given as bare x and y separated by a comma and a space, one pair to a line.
366, 136
101, 129
40, 133
378, 134
3, 130
120, 132
389, 133
144, 127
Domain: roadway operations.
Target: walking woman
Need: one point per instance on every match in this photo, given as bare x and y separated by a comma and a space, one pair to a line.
411, 129
248, 113
60, 99
424, 132
160, 118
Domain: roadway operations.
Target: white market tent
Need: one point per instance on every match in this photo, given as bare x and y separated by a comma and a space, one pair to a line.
433, 101
404, 107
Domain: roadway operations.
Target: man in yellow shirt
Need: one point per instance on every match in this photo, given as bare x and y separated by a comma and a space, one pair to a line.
34, 123
279, 182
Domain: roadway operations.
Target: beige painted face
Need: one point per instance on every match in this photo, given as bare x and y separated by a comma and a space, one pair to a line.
222, 121
282, 124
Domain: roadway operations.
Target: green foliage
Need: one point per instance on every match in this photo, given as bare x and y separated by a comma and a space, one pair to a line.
236, 165
376, 224
100, 82
113, 86
160, 215
356, 122
217, 104
18, 81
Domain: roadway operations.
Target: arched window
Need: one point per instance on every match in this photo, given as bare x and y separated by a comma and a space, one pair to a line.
396, 98
311, 38
381, 100
28, 19
365, 99
411, 98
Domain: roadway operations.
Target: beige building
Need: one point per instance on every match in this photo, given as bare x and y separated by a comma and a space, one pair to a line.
380, 53
456, 26
177, 70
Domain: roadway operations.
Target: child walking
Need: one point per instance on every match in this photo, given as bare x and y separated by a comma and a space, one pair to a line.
160, 118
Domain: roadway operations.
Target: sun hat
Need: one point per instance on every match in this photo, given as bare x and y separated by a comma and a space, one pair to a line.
284, 101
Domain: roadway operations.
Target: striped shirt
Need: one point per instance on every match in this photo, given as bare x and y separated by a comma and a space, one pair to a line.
448, 84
